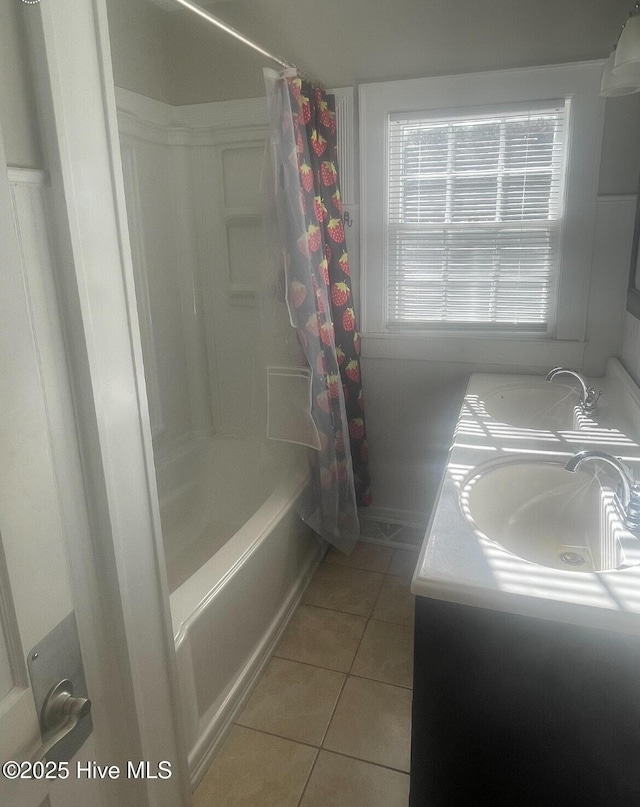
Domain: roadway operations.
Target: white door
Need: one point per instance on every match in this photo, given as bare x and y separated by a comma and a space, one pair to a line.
35, 594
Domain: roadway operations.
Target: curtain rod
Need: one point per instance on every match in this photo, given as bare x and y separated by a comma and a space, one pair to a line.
233, 32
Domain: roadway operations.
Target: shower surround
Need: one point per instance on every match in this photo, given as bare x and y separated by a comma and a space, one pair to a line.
238, 556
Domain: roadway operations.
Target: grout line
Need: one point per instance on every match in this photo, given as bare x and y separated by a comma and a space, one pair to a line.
308, 779
319, 666
346, 676
278, 736
378, 596
405, 577
391, 622
362, 616
353, 660
378, 681
335, 610
355, 655
319, 748
366, 761
309, 664
333, 711
345, 673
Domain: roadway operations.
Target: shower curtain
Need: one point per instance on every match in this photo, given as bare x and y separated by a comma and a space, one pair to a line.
302, 126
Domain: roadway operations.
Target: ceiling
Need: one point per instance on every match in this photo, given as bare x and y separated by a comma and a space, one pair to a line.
349, 42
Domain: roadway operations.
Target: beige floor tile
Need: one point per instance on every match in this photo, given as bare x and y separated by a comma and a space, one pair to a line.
386, 653
403, 563
341, 588
255, 770
343, 782
370, 557
293, 700
325, 638
372, 722
396, 603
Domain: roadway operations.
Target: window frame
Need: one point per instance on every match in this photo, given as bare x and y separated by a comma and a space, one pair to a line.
396, 225
577, 82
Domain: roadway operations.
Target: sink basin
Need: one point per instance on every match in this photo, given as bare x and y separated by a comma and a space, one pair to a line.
541, 405
547, 515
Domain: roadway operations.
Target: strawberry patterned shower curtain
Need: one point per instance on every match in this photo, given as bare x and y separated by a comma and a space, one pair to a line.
302, 124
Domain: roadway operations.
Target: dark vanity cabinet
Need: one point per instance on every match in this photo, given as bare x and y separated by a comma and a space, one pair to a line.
513, 710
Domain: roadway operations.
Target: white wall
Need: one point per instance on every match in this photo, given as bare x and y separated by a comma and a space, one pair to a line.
139, 33
171, 57
620, 161
18, 110
413, 404
630, 350
208, 65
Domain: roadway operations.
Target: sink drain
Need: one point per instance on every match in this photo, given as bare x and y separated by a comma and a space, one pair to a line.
572, 559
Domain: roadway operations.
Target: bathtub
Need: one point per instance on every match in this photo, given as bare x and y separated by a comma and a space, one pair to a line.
229, 613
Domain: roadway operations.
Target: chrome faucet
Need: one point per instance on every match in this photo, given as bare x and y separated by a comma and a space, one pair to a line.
589, 398
628, 491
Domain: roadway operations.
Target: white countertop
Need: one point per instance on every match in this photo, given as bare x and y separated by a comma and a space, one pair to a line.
458, 564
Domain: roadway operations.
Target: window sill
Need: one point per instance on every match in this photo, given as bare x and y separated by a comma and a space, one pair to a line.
474, 349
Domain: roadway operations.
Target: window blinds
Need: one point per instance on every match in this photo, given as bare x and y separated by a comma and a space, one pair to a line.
474, 215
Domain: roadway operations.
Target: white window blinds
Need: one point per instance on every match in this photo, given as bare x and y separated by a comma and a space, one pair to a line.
474, 215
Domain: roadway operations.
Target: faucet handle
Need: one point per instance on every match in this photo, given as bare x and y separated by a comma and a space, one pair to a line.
632, 514
591, 399
632, 507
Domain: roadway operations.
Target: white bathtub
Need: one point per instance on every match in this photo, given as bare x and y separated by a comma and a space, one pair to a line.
228, 615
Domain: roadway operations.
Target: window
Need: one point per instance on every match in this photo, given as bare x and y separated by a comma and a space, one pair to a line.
474, 217
478, 199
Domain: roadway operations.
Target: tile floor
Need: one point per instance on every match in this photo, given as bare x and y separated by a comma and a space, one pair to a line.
329, 721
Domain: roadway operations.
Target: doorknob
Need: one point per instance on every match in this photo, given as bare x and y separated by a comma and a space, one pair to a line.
61, 713
60, 692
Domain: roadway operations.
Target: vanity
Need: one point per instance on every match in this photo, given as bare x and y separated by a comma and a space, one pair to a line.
527, 637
